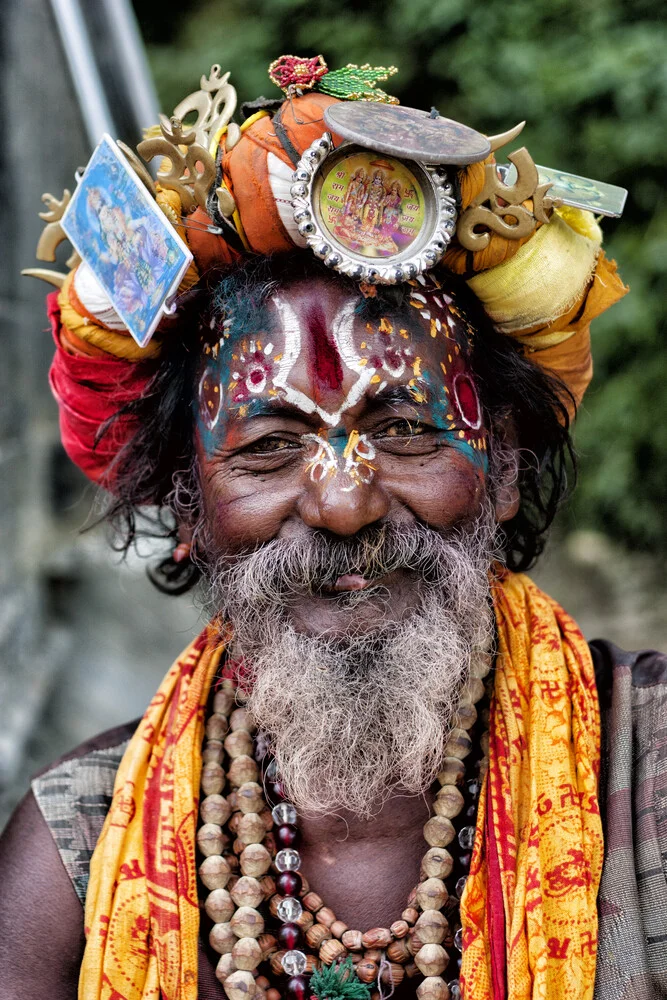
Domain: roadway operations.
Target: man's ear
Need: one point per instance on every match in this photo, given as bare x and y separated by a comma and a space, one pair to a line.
505, 465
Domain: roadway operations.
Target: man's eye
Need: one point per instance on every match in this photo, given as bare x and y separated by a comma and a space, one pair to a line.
403, 428
271, 445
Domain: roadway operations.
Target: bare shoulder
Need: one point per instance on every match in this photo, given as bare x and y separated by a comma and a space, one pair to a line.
45, 854
41, 917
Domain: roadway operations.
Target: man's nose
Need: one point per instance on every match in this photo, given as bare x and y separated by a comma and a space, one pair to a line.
335, 504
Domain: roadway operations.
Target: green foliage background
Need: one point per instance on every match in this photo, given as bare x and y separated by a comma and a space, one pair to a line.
590, 77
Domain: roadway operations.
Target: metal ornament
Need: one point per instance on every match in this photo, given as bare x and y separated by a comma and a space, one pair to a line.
499, 207
377, 219
407, 132
579, 192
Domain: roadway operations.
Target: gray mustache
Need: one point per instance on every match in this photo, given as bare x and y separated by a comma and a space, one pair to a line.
316, 560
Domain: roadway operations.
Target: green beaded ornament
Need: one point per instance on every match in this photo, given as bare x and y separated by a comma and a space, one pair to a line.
357, 83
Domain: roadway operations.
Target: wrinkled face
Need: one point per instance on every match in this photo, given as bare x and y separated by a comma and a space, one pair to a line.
314, 416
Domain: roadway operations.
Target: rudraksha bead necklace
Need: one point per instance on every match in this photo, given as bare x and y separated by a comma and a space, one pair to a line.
240, 830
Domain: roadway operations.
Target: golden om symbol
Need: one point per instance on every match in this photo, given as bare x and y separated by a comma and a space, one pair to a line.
505, 214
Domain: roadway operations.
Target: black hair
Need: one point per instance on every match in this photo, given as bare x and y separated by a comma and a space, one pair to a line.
521, 400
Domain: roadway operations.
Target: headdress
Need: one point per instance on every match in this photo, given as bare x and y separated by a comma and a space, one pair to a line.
377, 191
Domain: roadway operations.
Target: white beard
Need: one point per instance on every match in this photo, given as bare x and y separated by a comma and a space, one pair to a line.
352, 721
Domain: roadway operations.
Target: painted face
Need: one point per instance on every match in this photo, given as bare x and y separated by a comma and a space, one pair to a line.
322, 418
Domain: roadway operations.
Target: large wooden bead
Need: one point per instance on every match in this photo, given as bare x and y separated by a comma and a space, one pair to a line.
212, 752
458, 745
255, 860
411, 969
239, 744
398, 951
251, 829
247, 953
240, 985
376, 937
437, 863
431, 894
215, 809
466, 716
276, 963
312, 902
325, 916
222, 702
352, 940
410, 915
247, 892
439, 831
249, 798
452, 771
338, 928
317, 934
210, 839
331, 950
222, 938
431, 959
242, 769
473, 691
367, 971
305, 921
225, 967
433, 988
214, 872
399, 928
247, 922
212, 779
273, 994
448, 802
219, 906
240, 719
373, 955
268, 944
216, 727
431, 927
393, 975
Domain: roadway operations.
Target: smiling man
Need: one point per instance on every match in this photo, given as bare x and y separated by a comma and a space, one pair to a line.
389, 763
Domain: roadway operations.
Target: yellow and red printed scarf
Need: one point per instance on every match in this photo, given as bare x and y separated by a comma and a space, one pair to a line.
529, 908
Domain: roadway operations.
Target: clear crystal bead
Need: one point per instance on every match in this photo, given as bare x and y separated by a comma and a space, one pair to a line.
473, 788
272, 771
467, 837
460, 885
454, 990
458, 939
294, 963
288, 860
289, 909
284, 812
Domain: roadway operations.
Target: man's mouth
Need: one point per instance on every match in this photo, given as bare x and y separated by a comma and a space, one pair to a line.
351, 581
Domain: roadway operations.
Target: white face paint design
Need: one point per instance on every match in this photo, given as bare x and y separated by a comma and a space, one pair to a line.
342, 329
355, 461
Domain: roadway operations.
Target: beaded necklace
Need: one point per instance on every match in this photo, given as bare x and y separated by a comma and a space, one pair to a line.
251, 827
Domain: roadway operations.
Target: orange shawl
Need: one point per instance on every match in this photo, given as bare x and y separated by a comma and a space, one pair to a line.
529, 909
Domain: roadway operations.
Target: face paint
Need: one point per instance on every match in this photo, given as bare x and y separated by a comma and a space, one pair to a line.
354, 461
344, 364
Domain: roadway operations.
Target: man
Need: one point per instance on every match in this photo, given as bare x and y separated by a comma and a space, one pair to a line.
382, 757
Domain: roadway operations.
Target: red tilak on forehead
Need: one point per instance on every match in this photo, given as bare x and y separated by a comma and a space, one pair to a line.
326, 361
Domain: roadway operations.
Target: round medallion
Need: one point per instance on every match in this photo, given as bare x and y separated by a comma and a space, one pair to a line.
376, 218
373, 205
407, 132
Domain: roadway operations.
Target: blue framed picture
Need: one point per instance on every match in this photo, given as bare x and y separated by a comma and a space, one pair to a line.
118, 229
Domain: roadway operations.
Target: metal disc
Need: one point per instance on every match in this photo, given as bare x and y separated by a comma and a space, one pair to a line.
407, 132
